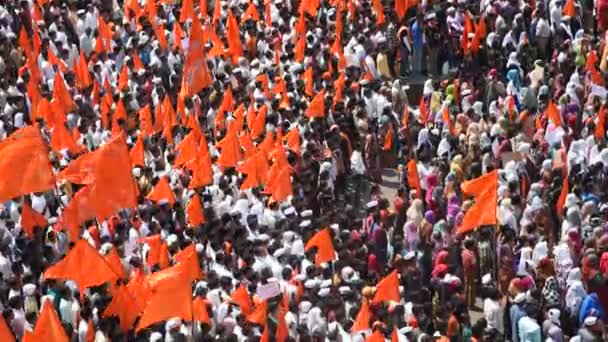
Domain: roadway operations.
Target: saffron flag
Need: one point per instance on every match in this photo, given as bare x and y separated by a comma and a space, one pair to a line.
325, 248
25, 165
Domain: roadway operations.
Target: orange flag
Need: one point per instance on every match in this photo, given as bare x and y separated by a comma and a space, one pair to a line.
137, 152
137, 63
387, 289
569, 9
234, 38
388, 139
123, 306
170, 297
195, 212
316, 108
231, 150
159, 32
154, 243
187, 11
163, 261
413, 182
561, 200
362, 320
111, 185
483, 212
300, 50
196, 72
379, 9
250, 13
145, 121
259, 123
189, 258
202, 173
30, 219
48, 326
281, 187
162, 191
448, 121
5, 331
199, 311
375, 337
307, 77
217, 11
61, 139
293, 141
259, 314
600, 129
24, 165
203, 8
424, 114
113, 260
77, 266
241, 297
325, 248
123, 79
83, 76
61, 94
553, 114
187, 149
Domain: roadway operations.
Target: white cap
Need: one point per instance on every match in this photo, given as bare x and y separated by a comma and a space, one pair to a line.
305, 224
306, 213
324, 292
519, 298
372, 204
590, 321
289, 211
486, 279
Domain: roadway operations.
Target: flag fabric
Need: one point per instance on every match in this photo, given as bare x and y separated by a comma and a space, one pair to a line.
162, 192
48, 326
170, 297
77, 266
552, 113
5, 332
25, 165
483, 211
30, 219
325, 248
362, 319
413, 181
123, 306
387, 289
241, 297
194, 211
189, 258
316, 107
561, 200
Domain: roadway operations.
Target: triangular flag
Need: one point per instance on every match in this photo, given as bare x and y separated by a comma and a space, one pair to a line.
600, 129
123, 306
561, 200
231, 149
187, 11
123, 79
413, 181
325, 248
30, 219
234, 38
195, 212
48, 325
113, 259
189, 258
162, 191
77, 266
137, 152
362, 320
170, 297
24, 166
5, 332
483, 212
199, 311
307, 77
241, 297
316, 107
250, 13
388, 289
553, 114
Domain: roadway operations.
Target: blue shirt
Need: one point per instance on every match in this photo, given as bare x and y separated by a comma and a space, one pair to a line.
417, 35
516, 313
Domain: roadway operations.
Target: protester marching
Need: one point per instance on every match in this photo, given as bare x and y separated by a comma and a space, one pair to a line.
213, 170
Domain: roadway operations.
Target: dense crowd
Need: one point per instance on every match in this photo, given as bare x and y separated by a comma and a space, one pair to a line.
218, 170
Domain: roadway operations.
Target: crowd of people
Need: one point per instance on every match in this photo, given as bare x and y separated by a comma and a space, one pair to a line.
211, 170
